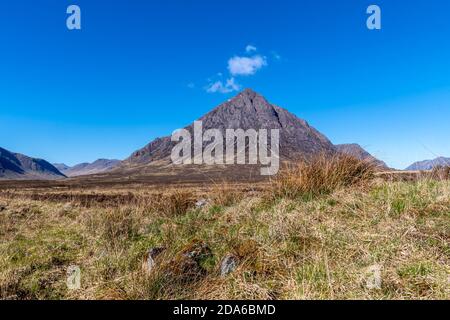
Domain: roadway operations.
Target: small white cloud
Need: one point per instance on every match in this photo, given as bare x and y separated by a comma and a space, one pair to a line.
250, 48
245, 66
237, 66
218, 86
191, 85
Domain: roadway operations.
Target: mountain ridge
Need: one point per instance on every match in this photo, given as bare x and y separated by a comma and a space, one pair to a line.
247, 110
429, 164
359, 152
21, 167
86, 168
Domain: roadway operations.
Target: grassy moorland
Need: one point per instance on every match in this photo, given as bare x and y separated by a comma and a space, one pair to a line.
318, 231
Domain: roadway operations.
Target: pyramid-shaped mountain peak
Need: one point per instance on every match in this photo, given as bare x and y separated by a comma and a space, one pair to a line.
248, 93
249, 110
247, 98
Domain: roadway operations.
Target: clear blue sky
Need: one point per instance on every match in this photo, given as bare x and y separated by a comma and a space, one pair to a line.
140, 69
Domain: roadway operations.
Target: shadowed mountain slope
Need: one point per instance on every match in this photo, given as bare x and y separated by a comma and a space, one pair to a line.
20, 167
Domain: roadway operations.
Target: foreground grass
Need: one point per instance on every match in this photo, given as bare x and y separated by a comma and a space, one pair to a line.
323, 247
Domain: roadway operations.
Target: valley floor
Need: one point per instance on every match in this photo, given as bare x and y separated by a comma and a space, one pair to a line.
387, 241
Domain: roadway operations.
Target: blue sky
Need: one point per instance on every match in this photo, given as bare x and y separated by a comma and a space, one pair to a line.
140, 69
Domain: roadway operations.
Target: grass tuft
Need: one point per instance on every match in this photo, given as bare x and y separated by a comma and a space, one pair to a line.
321, 175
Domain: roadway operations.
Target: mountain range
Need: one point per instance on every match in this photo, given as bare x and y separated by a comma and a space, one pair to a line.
84, 169
16, 166
247, 110
429, 164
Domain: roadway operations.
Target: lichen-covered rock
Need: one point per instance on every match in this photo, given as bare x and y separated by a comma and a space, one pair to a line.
187, 265
197, 250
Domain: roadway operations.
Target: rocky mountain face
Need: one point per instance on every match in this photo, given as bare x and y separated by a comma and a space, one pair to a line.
84, 169
20, 167
429, 164
359, 152
248, 110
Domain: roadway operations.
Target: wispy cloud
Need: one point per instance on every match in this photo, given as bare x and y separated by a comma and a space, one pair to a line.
250, 48
229, 86
246, 66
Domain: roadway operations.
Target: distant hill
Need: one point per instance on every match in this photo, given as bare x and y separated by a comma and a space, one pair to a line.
84, 169
61, 167
16, 166
429, 164
359, 152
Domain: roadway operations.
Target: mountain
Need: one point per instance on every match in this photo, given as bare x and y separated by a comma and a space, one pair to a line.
248, 110
429, 164
61, 167
16, 166
84, 169
359, 152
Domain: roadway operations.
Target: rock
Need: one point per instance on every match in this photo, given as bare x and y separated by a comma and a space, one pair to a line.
2, 207
228, 265
149, 262
197, 251
201, 203
187, 265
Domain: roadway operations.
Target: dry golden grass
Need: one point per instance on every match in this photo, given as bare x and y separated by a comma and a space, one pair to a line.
175, 203
320, 239
224, 194
321, 175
